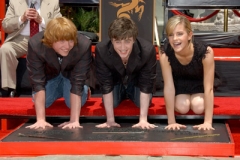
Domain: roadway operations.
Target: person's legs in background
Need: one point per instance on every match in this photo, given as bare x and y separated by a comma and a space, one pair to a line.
9, 52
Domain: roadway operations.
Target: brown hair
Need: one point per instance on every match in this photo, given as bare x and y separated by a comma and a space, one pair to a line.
58, 29
122, 28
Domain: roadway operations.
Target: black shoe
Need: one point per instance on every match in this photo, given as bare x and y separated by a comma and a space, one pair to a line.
12, 93
4, 93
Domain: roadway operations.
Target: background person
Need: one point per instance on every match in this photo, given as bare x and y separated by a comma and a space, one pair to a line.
17, 25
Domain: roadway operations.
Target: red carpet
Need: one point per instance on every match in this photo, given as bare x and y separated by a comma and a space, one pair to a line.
94, 107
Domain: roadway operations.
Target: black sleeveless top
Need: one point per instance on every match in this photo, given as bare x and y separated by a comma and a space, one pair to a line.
188, 79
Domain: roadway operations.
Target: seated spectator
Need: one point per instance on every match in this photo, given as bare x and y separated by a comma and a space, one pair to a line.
21, 21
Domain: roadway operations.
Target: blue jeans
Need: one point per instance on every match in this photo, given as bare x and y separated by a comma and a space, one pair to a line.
120, 92
60, 87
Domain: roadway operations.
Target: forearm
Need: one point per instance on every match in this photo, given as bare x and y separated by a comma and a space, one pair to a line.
108, 104
144, 106
75, 101
169, 98
57, 12
39, 100
208, 104
11, 24
54, 14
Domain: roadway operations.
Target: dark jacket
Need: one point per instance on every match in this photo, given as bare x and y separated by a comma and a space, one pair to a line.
141, 67
43, 64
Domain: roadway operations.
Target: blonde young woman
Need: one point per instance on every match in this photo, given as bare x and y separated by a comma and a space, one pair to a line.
188, 74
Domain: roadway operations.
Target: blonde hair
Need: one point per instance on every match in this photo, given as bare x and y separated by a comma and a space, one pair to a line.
174, 21
59, 29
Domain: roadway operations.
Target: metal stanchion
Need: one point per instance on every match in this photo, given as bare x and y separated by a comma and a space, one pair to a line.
225, 20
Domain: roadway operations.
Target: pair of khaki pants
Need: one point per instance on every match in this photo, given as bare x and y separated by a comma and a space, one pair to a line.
9, 52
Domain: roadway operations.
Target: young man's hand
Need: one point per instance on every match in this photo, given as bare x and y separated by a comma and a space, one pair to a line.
108, 125
40, 124
144, 125
70, 125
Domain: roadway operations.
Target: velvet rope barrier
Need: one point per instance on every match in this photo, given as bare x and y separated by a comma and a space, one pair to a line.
176, 12
236, 12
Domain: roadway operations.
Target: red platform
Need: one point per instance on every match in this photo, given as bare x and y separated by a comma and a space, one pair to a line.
33, 148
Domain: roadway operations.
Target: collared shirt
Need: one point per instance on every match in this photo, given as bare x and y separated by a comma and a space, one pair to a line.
26, 29
59, 58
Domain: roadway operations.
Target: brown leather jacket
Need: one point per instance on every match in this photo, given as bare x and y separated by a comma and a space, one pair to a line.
43, 64
141, 67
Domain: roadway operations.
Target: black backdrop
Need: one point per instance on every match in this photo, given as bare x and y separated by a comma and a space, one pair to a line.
145, 25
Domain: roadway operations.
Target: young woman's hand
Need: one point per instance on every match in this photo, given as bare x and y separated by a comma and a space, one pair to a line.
204, 126
175, 126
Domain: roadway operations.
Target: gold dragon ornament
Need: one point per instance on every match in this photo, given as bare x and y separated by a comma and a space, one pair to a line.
128, 8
